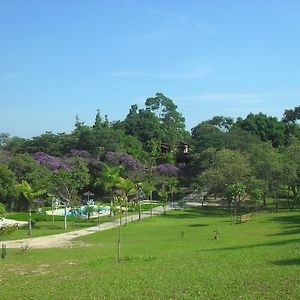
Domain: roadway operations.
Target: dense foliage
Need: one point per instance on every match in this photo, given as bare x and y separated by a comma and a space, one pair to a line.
254, 158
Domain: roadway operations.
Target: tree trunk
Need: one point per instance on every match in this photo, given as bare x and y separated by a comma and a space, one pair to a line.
239, 201
119, 241
235, 208
151, 208
53, 210
99, 223
65, 219
12, 205
276, 202
139, 210
126, 211
111, 207
29, 222
264, 201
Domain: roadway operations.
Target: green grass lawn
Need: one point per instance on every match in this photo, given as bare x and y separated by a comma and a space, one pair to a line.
167, 257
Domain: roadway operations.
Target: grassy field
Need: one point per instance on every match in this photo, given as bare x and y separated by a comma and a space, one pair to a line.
167, 257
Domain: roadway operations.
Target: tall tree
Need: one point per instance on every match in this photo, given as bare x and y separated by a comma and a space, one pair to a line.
269, 129
173, 123
206, 135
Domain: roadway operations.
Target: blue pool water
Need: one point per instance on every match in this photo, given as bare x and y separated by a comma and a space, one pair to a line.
82, 211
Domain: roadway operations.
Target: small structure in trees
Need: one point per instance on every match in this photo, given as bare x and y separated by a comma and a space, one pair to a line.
165, 148
182, 155
89, 198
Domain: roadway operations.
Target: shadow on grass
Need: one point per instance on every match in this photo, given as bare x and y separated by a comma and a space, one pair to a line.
197, 225
292, 219
287, 232
277, 243
199, 212
291, 224
287, 262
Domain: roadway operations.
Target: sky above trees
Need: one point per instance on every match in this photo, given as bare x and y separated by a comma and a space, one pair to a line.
62, 58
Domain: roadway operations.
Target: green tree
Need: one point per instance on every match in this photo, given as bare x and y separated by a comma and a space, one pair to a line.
26, 168
148, 187
164, 195
67, 184
269, 129
144, 125
2, 210
227, 167
272, 171
119, 201
128, 188
235, 192
8, 190
109, 179
173, 123
30, 194
206, 135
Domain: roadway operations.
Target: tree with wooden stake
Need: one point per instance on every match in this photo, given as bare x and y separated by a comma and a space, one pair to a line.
128, 188
110, 177
30, 194
119, 201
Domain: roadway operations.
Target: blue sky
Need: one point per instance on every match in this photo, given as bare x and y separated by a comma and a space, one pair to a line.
59, 58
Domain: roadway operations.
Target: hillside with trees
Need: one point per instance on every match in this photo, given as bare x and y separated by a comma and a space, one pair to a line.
254, 159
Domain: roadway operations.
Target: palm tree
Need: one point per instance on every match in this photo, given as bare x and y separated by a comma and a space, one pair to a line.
110, 178
128, 188
148, 187
30, 195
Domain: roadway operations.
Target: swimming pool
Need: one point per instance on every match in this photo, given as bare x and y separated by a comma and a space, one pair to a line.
81, 211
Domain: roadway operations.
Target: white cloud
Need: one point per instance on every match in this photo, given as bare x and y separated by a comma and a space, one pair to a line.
174, 17
194, 74
169, 23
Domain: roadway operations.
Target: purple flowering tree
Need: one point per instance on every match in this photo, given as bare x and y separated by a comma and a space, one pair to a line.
127, 161
167, 169
53, 163
87, 157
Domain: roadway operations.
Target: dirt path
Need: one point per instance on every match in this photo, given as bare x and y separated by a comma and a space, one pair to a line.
66, 239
